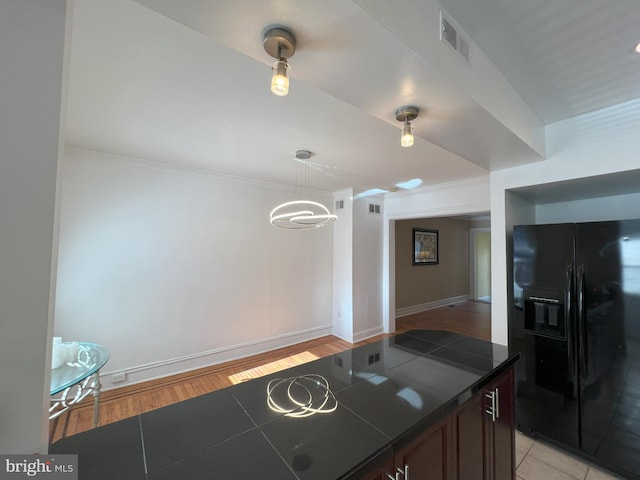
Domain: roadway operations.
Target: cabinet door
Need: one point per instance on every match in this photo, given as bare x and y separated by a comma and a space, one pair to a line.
469, 428
428, 455
376, 469
502, 437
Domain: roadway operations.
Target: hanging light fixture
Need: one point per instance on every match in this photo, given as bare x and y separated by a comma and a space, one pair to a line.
280, 44
406, 114
301, 214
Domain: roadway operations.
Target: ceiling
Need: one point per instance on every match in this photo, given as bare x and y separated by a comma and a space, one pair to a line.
187, 83
564, 58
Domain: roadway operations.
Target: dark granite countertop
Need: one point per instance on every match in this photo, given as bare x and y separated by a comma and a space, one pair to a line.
378, 393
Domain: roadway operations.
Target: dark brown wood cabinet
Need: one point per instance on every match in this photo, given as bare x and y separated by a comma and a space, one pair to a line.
484, 433
377, 469
469, 425
475, 442
501, 431
427, 456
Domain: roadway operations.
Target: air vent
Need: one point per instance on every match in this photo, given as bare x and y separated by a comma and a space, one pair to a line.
339, 204
451, 35
374, 208
448, 33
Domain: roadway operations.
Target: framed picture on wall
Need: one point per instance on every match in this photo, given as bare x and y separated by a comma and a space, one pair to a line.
425, 247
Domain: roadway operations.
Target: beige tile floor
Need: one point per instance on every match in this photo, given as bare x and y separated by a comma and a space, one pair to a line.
537, 461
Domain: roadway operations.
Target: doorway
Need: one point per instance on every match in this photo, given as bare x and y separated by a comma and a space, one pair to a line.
480, 256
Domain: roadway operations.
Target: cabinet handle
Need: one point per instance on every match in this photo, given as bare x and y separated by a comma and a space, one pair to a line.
404, 473
492, 408
497, 403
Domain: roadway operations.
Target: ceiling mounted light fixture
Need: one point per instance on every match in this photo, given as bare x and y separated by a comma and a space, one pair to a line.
406, 114
280, 44
301, 214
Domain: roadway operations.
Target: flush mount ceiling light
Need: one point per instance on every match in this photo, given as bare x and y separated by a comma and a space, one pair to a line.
301, 214
280, 44
406, 114
407, 185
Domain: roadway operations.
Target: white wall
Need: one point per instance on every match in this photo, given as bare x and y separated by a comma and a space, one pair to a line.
173, 269
367, 268
597, 143
446, 199
357, 270
613, 207
32, 49
342, 319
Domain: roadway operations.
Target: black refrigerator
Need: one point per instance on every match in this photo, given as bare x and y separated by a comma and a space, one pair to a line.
575, 319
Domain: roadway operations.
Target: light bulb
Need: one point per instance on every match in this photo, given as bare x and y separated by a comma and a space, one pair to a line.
407, 136
280, 81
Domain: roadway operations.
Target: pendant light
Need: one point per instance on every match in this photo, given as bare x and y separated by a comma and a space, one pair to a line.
301, 214
406, 114
280, 44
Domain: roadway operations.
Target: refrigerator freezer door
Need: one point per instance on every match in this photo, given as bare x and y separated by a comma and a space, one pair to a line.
542, 329
608, 264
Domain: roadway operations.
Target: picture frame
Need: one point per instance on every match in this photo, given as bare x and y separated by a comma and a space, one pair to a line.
425, 247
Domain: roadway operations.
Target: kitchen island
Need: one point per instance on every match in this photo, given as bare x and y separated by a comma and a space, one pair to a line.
421, 404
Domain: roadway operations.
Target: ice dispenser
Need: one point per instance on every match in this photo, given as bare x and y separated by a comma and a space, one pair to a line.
544, 312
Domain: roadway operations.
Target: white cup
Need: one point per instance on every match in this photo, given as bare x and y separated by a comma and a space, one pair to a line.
57, 353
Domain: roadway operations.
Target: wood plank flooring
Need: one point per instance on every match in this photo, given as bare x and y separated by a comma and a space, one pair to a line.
468, 318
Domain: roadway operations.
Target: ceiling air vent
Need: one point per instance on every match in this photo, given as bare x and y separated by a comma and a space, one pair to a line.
450, 35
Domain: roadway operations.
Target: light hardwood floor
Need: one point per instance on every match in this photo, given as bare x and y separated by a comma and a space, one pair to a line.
468, 318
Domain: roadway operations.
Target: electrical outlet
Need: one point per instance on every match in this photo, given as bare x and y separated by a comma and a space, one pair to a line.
118, 377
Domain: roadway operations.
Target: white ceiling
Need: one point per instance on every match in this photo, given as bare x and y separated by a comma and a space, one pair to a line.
566, 57
188, 83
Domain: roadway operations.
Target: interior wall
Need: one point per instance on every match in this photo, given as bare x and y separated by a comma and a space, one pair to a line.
342, 320
367, 268
33, 81
426, 284
172, 269
612, 207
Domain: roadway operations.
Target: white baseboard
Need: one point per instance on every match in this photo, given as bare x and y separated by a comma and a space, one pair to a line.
404, 311
364, 334
173, 366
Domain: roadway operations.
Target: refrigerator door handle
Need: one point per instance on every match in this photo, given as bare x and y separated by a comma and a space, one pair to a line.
582, 324
571, 354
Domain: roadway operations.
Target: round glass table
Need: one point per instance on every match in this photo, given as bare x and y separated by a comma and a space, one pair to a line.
76, 376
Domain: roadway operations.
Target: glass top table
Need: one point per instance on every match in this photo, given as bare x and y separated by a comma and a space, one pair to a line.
77, 376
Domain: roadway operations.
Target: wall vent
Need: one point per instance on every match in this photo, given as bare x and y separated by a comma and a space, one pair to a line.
339, 204
374, 208
451, 35
447, 32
